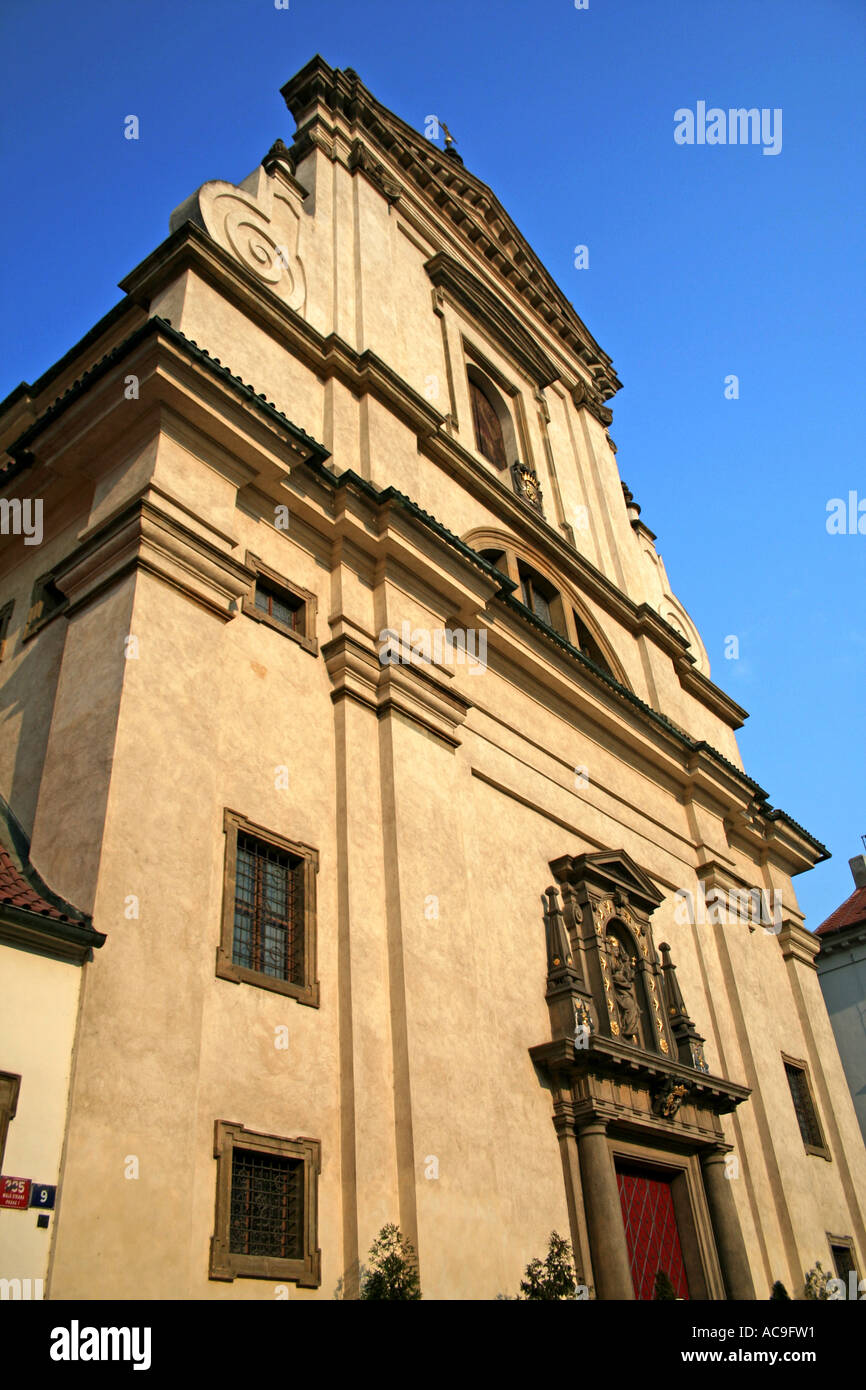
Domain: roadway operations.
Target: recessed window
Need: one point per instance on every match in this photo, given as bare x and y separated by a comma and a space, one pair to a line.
588, 644
541, 598
489, 437
497, 558
45, 603
10, 1084
269, 912
267, 1205
282, 605
804, 1108
842, 1251
266, 1208
5, 619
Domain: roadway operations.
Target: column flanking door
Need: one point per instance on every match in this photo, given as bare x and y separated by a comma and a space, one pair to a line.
651, 1231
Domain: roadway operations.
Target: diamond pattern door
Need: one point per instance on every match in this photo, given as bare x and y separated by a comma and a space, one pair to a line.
651, 1233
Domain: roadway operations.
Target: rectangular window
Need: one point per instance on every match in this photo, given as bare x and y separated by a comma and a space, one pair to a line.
843, 1258
269, 910
10, 1085
266, 1207
282, 605
5, 619
804, 1108
46, 602
268, 933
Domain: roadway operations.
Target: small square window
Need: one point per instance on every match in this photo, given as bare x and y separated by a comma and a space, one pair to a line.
269, 912
282, 605
266, 1207
804, 1108
5, 619
842, 1250
10, 1085
45, 603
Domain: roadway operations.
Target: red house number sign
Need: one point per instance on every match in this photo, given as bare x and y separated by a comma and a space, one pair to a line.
15, 1192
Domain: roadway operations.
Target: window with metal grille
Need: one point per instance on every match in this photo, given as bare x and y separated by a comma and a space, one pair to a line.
267, 1205
489, 439
281, 605
269, 910
803, 1106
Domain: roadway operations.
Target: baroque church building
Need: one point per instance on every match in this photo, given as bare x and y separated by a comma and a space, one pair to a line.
376, 847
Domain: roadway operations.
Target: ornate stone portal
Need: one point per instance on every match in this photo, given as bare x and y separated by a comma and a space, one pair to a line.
631, 1088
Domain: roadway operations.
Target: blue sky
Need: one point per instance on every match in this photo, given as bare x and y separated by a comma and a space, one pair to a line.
704, 261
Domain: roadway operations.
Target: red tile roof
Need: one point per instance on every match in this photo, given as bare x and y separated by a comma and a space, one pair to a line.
16, 891
850, 914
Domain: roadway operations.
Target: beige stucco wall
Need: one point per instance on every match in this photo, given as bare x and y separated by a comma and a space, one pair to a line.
37, 1028
419, 1049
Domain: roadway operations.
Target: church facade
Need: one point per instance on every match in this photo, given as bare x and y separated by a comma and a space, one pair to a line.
347, 700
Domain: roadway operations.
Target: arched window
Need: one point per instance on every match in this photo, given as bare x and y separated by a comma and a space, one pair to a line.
541, 598
489, 439
588, 644
550, 601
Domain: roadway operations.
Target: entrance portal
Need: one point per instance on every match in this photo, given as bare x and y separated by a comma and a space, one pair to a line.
651, 1231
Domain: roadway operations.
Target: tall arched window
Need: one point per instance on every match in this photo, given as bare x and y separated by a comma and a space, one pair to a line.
489, 439
541, 598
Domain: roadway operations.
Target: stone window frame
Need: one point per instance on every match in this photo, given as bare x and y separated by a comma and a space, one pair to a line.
37, 620
821, 1150
227, 1265
306, 639
10, 1088
6, 612
846, 1243
307, 992
509, 399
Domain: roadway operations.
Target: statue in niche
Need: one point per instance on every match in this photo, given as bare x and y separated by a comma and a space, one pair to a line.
622, 974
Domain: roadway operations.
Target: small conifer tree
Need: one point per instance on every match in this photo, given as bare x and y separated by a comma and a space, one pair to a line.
779, 1291
664, 1289
553, 1277
393, 1269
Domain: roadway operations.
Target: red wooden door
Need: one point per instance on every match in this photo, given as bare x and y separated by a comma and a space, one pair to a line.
651, 1233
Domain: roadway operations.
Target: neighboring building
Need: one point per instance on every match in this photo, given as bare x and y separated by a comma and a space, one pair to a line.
841, 966
484, 934
43, 943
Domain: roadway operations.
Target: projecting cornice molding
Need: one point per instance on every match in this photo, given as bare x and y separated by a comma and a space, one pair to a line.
257, 222
333, 107
403, 686
466, 290
147, 534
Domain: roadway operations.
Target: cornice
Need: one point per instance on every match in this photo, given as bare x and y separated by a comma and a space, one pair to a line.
412, 690
465, 289
42, 936
189, 246
798, 944
840, 939
610, 1057
144, 535
323, 99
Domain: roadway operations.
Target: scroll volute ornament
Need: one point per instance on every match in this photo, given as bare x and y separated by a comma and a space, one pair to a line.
257, 222
611, 900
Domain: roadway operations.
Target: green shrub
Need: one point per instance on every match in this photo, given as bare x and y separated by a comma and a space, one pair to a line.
553, 1277
664, 1290
393, 1269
